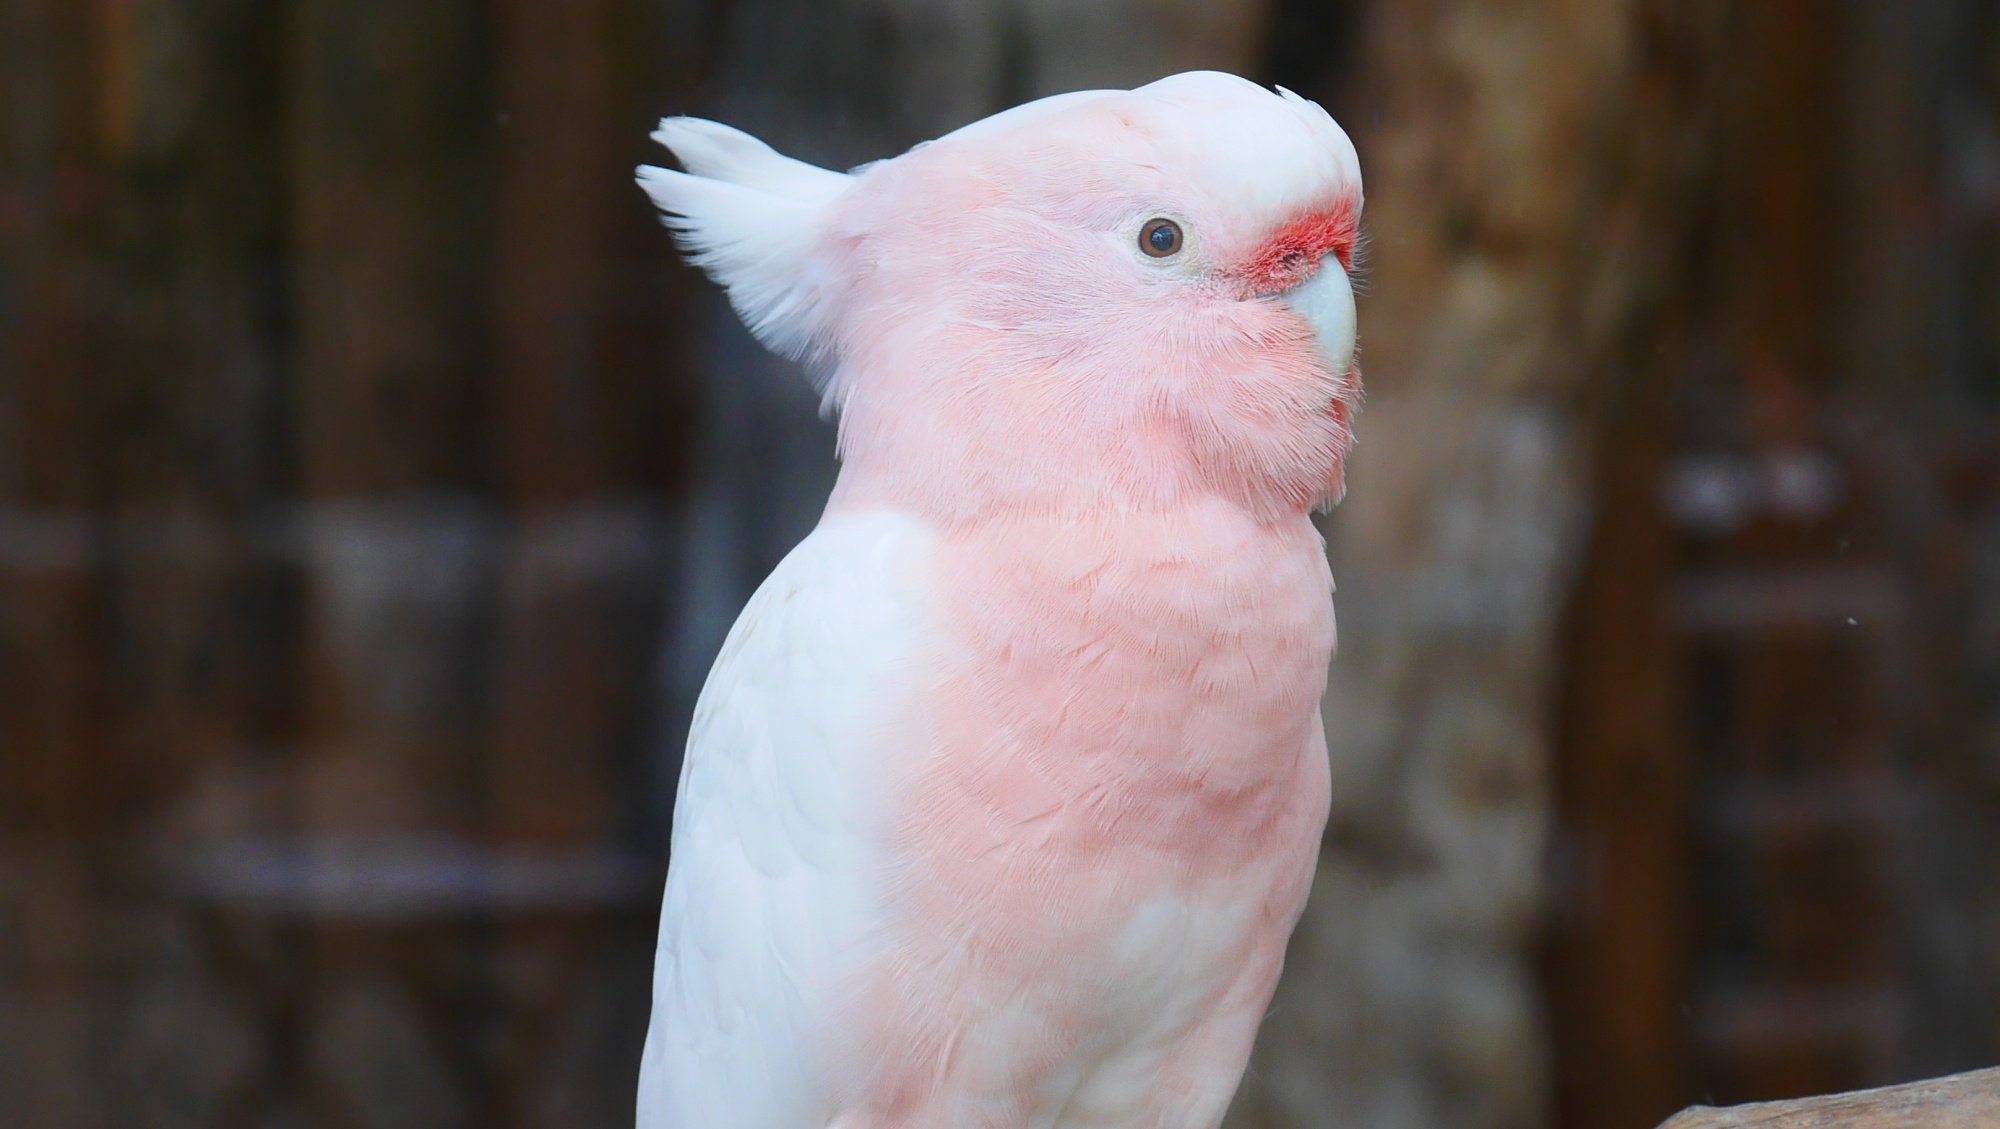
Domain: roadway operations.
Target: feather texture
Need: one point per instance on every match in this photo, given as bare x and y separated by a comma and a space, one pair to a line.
752, 219
1005, 793
770, 893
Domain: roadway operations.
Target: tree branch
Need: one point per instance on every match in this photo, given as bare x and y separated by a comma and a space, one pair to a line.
1960, 1101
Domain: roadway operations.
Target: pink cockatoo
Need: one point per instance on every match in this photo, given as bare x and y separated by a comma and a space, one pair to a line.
1005, 792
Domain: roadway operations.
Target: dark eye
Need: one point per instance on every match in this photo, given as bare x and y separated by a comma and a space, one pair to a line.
1160, 238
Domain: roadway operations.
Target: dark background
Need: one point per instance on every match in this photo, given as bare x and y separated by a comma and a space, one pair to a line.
375, 488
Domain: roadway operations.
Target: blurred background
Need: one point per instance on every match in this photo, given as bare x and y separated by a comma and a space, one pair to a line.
375, 489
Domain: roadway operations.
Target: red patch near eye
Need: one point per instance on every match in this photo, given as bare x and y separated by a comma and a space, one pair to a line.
1293, 253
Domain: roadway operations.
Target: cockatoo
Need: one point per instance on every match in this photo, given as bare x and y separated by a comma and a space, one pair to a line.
1005, 791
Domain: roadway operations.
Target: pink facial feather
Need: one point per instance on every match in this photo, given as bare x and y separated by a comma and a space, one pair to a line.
1293, 254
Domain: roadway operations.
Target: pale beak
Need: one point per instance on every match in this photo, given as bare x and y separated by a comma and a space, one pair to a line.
1327, 301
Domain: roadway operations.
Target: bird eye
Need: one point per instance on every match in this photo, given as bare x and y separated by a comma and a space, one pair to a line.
1160, 238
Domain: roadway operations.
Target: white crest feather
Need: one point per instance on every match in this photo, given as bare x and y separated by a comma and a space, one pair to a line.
750, 217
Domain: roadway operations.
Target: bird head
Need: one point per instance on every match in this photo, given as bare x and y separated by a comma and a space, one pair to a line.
1107, 298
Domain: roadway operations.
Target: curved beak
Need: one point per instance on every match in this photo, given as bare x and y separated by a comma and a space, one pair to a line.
1327, 301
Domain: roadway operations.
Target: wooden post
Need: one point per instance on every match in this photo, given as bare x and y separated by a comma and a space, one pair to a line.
190, 377
581, 387
577, 335
141, 638
388, 124
50, 486
1614, 950
387, 130
51, 747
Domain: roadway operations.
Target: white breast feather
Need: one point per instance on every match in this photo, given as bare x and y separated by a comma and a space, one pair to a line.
770, 886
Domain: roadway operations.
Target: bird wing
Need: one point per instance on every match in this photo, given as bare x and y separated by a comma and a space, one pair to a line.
771, 885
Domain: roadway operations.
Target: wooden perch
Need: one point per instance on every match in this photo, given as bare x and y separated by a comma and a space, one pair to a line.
1961, 1101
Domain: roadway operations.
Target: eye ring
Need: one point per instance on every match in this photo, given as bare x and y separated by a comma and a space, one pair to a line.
1160, 238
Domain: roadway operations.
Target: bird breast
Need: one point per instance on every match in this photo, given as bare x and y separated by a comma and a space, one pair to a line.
1137, 687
